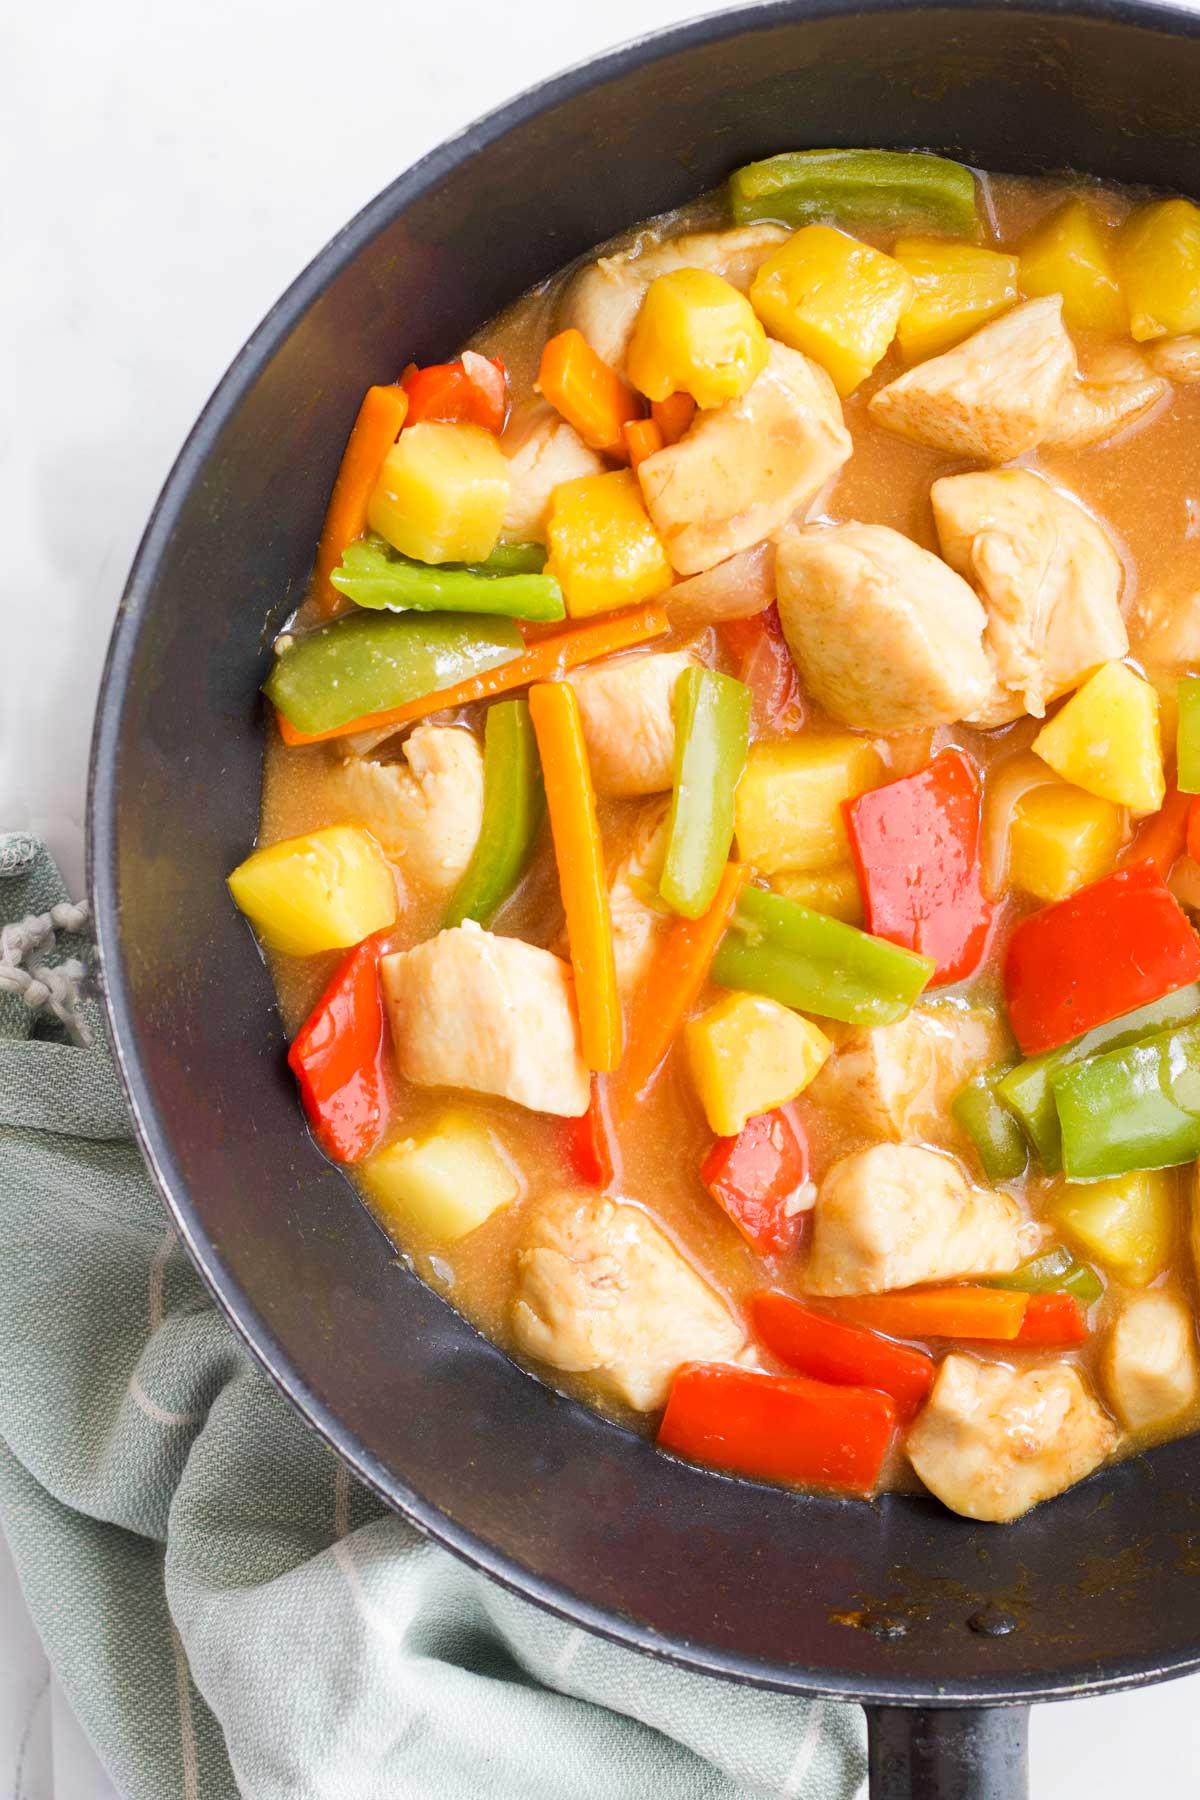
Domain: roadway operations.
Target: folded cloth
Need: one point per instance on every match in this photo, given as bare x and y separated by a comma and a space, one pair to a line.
226, 1608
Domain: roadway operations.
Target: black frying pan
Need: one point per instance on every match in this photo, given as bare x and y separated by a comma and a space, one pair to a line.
949, 1621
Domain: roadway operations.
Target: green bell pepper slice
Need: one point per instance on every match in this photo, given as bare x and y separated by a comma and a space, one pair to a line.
370, 662
374, 575
1187, 738
712, 735
1028, 1092
1133, 1108
817, 964
990, 1126
1054, 1272
871, 188
514, 805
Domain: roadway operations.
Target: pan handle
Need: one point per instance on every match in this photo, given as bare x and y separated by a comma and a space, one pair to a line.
948, 1753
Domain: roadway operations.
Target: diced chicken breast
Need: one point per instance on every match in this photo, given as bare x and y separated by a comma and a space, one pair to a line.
604, 299
637, 923
993, 1441
1176, 358
897, 1081
1150, 1369
885, 636
602, 1292
489, 1014
625, 707
1165, 629
425, 811
542, 451
898, 1214
1118, 387
745, 467
1048, 576
992, 397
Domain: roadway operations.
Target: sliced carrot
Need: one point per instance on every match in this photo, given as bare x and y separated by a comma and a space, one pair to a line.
950, 1312
587, 392
673, 415
579, 853
542, 661
376, 429
1160, 839
673, 983
642, 438
1193, 828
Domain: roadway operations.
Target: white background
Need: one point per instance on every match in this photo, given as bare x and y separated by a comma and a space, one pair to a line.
166, 170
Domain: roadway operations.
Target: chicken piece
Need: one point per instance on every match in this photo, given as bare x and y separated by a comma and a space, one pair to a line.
638, 924
744, 468
625, 707
1150, 1369
1166, 631
898, 1214
885, 636
1049, 579
1176, 358
992, 397
993, 1441
492, 1015
603, 301
602, 1292
542, 451
1117, 389
425, 811
897, 1081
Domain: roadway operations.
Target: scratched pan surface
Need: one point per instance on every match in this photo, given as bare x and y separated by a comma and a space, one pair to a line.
1099, 1588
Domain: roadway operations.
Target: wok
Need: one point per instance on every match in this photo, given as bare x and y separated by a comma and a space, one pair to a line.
943, 1629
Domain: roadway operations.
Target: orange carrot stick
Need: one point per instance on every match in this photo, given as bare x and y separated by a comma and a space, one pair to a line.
952, 1312
375, 431
589, 395
579, 853
673, 983
1160, 839
673, 415
642, 438
542, 661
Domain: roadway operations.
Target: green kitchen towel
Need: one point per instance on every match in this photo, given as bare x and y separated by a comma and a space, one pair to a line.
227, 1610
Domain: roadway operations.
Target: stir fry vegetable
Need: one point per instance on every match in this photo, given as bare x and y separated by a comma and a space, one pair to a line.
1052, 1272
1160, 840
337, 1058
472, 390
757, 1178
1131, 1109
856, 187
947, 1312
590, 1141
514, 806
990, 1125
377, 577
376, 429
1187, 742
589, 395
712, 728
828, 1349
1052, 1321
673, 416
764, 665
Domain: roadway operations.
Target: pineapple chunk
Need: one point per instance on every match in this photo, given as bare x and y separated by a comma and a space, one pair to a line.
443, 1185
1106, 740
442, 493
788, 809
604, 551
1073, 253
1127, 1224
1060, 839
323, 891
697, 335
747, 1055
835, 299
834, 891
958, 288
1160, 266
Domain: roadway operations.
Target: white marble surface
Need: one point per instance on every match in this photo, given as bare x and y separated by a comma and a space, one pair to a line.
169, 169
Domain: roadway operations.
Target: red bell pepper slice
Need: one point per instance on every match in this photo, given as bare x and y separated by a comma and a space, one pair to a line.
1193, 830
589, 1143
778, 1427
764, 663
828, 1350
1053, 1319
916, 847
1106, 950
473, 391
755, 1174
337, 1058
1160, 838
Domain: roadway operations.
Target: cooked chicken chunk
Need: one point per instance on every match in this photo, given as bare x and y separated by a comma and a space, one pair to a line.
603, 301
1176, 358
601, 1291
542, 451
897, 1081
489, 1014
886, 637
426, 811
1166, 630
744, 468
1150, 1368
625, 706
994, 1441
1118, 387
898, 1214
637, 923
992, 397
1049, 579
